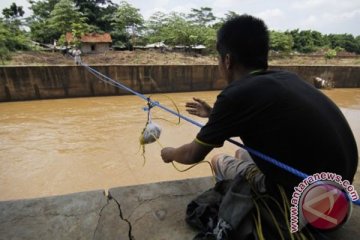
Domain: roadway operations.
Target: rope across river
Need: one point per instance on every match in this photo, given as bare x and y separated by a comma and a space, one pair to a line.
152, 103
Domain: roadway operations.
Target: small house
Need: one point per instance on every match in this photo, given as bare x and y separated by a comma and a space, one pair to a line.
92, 42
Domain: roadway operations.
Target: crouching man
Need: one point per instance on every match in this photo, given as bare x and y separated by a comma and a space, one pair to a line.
274, 112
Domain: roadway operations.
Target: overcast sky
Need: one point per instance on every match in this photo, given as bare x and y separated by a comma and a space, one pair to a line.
326, 16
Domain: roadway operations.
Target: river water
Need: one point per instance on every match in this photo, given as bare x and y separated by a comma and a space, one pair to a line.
53, 147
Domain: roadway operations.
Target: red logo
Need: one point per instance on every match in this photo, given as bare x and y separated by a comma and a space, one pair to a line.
325, 206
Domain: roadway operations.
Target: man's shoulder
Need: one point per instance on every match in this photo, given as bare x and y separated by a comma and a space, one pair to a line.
258, 81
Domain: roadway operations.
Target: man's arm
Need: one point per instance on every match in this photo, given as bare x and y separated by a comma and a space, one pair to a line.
187, 154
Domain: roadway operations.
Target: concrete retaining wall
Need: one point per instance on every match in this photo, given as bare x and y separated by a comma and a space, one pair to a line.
152, 211
44, 82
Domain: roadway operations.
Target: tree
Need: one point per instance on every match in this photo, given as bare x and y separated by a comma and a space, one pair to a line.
203, 16
281, 41
11, 39
357, 39
346, 41
40, 29
42, 8
230, 15
12, 17
64, 15
4, 53
175, 29
156, 21
98, 13
78, 30
13, 11
318, 39
303, 41
127, 23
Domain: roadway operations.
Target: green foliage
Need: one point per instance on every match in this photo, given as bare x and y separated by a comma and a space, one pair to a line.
345, 41
42, 8
127, 23
177, 29
339, 49
230, 15
98, 13
303, 41
11, 39
282, 42
41, 31
156, 22
62, 40
40, 28
51, 19
4, 53
126, 16
330, 54
203, 16
309, 41
13, 11
78, 30
64, 15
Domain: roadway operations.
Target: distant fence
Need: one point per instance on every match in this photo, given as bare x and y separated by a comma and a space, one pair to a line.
45, 82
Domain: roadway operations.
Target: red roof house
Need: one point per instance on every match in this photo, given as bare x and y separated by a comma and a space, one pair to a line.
92, 42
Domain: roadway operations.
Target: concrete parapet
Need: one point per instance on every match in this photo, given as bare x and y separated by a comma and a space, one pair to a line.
45, 82
150, 211
153, 211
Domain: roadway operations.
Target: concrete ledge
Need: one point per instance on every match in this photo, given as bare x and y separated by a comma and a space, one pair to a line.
150, 211
157, 211
73, 216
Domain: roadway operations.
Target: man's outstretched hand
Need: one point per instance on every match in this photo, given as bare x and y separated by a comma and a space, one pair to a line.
198, 108
167, 154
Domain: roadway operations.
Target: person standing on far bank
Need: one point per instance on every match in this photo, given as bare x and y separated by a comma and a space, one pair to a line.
275, 112
77, 57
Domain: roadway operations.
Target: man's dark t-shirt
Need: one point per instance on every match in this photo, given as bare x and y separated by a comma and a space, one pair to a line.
282, 116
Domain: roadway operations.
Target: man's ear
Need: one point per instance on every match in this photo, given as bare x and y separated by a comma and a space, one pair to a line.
228, 61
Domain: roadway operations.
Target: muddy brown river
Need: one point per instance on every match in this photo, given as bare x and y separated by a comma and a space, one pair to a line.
54, 147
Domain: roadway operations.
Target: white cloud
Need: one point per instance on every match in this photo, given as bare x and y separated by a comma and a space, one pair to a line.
320, 6
272, 17
161, 3
270, 14
310, 22
231, 5
183, 8
309, 4
327, 16
342, 16
148, 13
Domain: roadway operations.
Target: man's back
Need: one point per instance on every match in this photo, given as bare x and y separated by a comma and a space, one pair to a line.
278, 114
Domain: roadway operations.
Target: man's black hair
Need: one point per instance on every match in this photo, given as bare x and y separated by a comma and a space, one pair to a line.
246, 39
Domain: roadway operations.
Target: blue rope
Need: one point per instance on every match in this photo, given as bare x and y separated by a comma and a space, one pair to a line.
267, 158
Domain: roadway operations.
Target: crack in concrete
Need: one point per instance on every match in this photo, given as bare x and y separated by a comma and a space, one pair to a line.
100, 214
141, 217
131, 237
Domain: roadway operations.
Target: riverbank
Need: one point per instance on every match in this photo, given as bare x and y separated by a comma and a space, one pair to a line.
30, 82
153, 57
